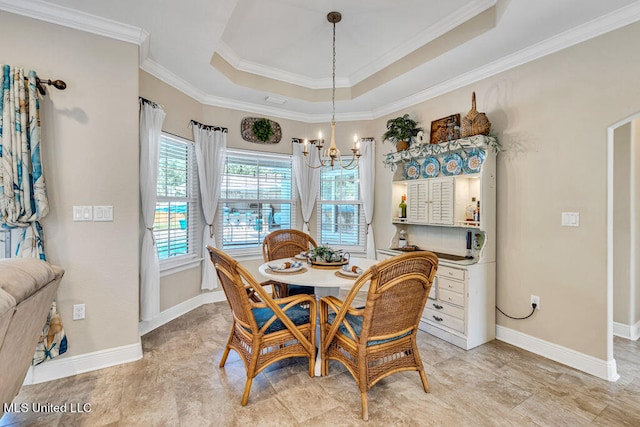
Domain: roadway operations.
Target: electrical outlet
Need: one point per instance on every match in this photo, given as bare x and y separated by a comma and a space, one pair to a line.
535, 300
78, 311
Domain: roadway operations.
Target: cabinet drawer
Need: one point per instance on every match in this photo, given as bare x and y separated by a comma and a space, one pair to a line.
452, 297
438, 318
451, 310
451, 285
452, 273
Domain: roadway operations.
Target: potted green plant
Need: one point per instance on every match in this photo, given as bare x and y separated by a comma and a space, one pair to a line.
401, 132
324, 253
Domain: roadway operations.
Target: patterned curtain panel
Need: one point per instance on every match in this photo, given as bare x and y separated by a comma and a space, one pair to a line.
23, 195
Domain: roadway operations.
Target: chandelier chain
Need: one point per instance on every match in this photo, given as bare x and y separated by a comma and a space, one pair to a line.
333, 92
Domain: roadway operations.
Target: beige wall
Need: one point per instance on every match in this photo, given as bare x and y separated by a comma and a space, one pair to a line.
87, 130
622, 302
551, 115
635, 216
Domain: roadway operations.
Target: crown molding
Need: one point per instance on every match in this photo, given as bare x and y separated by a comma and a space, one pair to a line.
599, 26
85, 22
75, 19
397, 53
442, 27
229, 55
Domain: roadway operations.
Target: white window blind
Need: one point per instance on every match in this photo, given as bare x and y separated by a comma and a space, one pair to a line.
340, 214
257, 197
177, 224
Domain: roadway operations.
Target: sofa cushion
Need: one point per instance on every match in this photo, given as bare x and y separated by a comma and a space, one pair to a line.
22, 277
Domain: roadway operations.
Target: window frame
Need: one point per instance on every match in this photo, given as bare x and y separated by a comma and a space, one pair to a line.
361, 246
254, 251
194, 256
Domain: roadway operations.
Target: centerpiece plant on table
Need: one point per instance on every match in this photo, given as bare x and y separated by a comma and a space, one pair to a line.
324, 253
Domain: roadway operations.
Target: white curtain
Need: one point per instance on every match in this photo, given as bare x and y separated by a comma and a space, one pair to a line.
211, 149
151, 118
307, 180
367, 168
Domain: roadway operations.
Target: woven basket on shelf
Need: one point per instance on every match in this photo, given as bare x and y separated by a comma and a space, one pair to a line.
474, 123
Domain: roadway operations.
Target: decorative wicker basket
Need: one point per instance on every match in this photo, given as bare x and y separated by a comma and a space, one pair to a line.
474, 123
329, 265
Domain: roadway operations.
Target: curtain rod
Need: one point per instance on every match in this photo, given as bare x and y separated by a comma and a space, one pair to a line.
146, 101
58, 84
208, 127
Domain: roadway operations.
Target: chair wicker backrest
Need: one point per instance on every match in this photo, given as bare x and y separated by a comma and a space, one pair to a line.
264, 330
386, 341
398, 294
286, 243
228, 272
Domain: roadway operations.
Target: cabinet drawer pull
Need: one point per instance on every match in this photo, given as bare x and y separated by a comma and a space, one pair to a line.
439, 319
438, 306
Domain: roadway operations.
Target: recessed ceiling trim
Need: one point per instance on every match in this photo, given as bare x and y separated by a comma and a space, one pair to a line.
75, 19
445, 25
229, 55
594, 28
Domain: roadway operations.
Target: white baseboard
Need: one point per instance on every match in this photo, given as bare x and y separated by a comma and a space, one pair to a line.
580, 361
630, 332
176, 311
73, 365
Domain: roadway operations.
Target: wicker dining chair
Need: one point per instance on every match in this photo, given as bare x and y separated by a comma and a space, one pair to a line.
267, 331
286, 243
379, 339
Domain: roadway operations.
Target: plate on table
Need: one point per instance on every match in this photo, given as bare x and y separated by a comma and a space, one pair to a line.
430, 167
474, 160
350, 271
287, 267
412, 170
301, 255
452, 164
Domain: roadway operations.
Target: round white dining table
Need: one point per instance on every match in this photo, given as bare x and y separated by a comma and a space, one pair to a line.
325, 282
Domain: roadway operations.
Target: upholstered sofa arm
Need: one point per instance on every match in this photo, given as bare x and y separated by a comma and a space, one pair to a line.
27, 289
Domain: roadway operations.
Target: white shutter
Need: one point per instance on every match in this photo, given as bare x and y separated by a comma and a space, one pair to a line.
417, 198
441, 192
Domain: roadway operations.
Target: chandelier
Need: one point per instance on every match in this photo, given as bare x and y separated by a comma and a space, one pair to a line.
331, 156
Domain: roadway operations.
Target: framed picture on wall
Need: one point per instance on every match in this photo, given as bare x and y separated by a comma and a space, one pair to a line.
445, 129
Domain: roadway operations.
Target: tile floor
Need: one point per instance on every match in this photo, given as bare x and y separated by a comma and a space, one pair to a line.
179, 383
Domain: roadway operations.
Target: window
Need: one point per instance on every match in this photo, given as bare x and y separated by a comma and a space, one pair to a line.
177, 224
340, 212
257, 197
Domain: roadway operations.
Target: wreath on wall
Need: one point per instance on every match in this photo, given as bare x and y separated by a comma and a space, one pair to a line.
260, 130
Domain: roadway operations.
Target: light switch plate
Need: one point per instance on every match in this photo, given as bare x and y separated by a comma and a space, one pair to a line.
82, 213
103, 213
571, 219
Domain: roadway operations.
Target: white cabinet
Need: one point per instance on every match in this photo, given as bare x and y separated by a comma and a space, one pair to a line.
461, 309
461, 304
429, 201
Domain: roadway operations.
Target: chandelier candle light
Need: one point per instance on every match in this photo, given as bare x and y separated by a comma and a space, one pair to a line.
331, 155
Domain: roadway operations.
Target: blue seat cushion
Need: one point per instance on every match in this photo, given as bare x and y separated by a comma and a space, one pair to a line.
298, 315
356, 324
300, 290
